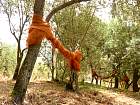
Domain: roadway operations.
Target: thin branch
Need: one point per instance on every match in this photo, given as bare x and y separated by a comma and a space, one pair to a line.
22, 12
23, 51
46, 59
23, 25
129, 84
83, 37
11, 26
9, 21
19, 13
19, 54
61, 7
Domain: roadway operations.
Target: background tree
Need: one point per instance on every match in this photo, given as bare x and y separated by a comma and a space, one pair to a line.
7, 59
49, 54
128, 13
21, 11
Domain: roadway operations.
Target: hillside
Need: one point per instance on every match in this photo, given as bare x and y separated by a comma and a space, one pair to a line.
52, 93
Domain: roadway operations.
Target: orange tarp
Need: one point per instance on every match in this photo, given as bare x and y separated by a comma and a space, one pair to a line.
40, 29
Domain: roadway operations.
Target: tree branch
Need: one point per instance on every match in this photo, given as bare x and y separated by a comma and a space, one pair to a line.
61, 7
23, 52
11, 27
89, 25
129, 84
23, 25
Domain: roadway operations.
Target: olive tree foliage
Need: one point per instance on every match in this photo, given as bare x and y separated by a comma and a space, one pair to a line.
7, 60
78, 27
122, 36
48, 55
133, 23
116, 42
18, 16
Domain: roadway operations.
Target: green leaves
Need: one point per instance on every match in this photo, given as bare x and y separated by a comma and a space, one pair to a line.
7, 58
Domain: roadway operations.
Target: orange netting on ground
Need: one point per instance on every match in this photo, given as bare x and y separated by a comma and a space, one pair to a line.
40, 29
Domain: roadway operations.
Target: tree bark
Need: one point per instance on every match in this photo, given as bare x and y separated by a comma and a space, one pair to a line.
92, 80
96, 80
17, 68
100, 82
22, 82
116, 82
73, 82
19, 60
135, 80
53, 68
116, 76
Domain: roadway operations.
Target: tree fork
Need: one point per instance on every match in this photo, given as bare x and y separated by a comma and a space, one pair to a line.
19, 59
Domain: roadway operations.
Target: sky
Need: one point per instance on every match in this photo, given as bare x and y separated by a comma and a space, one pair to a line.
5, 35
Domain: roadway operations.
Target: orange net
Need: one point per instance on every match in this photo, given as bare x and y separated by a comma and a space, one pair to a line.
40, 29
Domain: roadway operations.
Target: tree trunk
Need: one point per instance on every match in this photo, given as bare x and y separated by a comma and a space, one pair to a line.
56, 77
116, 76
17, 68
126, 85
19, 60
52, 71
73, 82
116, 82
53, 68
92, 80
135, 80
62, 78
100, 82
96, 80
76, 82
25, 72
69, 85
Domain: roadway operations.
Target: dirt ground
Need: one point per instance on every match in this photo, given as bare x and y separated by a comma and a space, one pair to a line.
52, 93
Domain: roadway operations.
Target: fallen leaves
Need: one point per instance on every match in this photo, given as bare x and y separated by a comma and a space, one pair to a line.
52, 93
